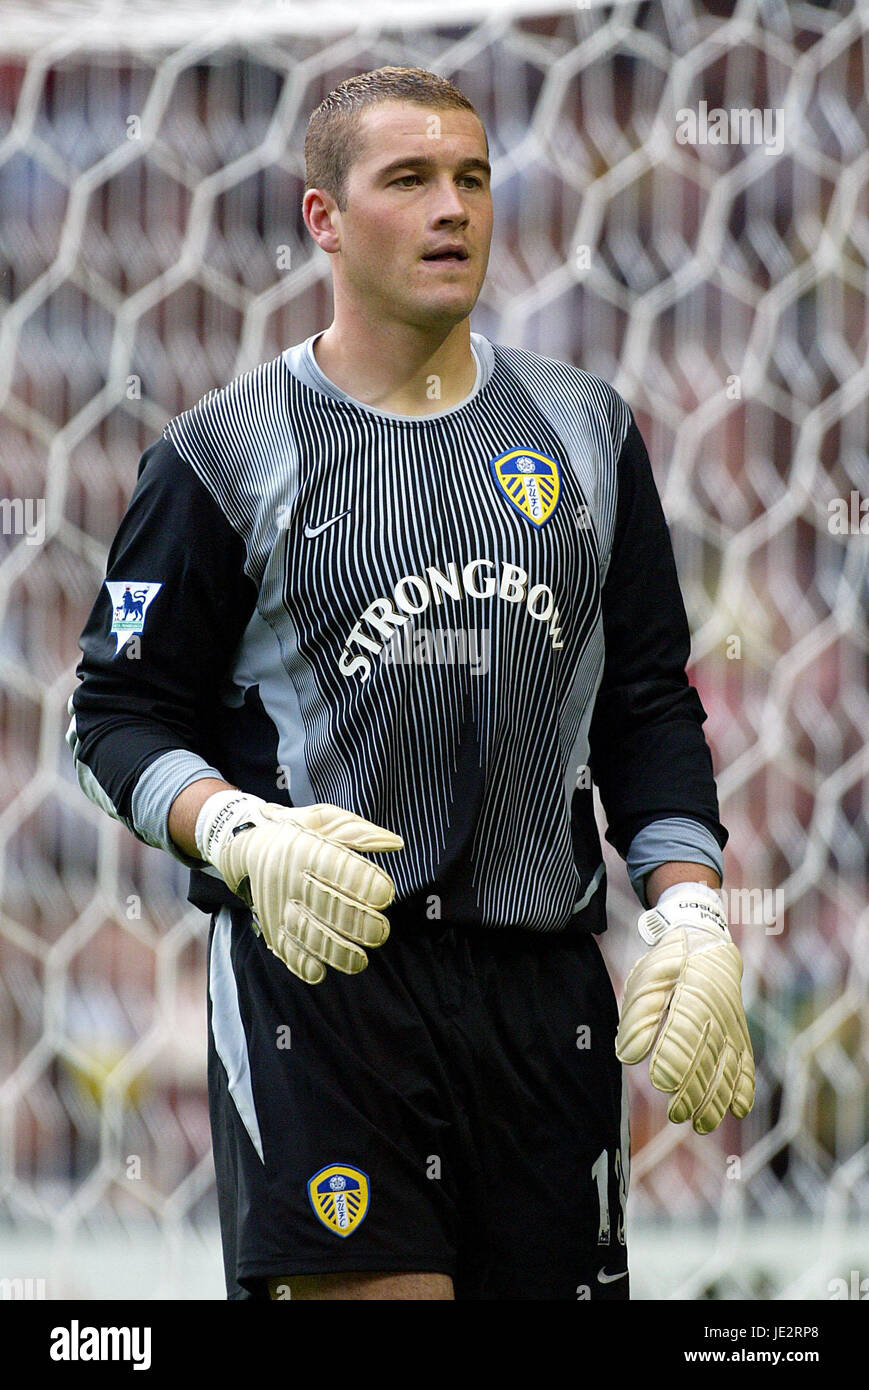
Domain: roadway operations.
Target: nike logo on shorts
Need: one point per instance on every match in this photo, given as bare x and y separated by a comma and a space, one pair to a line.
604, 1278
312, 531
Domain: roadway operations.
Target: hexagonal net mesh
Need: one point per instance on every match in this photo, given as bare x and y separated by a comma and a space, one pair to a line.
681, 207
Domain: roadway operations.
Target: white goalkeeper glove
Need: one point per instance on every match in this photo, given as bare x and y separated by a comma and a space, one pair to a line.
313, 896
685, 993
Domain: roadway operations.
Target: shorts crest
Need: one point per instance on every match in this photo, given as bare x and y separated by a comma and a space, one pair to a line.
339, 1196
530, 481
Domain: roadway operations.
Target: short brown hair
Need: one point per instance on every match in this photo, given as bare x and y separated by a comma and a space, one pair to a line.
334, 136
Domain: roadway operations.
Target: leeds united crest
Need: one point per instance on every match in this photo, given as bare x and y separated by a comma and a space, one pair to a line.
530, 481
339, 1197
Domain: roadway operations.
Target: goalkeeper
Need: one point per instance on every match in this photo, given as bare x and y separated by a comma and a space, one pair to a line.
379, 614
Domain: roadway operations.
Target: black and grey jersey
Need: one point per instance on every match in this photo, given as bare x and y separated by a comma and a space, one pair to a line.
455, 625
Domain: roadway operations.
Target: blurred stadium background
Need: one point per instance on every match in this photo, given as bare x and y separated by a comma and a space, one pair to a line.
152, 248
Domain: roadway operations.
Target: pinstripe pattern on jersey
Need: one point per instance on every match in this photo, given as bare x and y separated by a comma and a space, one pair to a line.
594, 435
413, 743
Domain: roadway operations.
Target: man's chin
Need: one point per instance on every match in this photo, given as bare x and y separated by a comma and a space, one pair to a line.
442, 311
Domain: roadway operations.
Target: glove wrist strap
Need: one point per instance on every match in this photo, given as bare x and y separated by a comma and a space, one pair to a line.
684, 905
217, 818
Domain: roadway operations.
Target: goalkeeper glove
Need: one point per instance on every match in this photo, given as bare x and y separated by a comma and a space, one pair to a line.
315, 899
685, 992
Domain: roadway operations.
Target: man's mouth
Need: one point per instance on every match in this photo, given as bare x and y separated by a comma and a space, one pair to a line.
457, 253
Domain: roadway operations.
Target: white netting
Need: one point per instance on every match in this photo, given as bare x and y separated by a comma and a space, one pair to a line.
150, 179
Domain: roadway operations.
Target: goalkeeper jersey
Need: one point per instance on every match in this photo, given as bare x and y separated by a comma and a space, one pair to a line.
455, 625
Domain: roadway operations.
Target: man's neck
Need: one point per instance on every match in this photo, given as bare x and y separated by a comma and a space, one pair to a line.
398, 369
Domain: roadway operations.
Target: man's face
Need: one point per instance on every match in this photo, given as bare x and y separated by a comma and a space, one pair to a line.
419, 185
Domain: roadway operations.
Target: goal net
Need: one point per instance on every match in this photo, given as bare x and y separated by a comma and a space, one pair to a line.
681, 194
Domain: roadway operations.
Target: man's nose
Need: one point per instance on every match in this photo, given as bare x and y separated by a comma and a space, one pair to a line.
449, 205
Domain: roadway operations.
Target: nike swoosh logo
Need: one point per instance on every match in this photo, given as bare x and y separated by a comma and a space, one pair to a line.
604, 1278
312, 531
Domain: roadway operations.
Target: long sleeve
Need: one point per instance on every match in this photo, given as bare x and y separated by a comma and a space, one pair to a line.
165, 623
648, 753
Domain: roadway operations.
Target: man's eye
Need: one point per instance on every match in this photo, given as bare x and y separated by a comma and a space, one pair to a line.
465, 178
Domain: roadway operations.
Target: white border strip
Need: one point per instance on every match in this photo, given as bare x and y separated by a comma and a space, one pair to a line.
227, 1027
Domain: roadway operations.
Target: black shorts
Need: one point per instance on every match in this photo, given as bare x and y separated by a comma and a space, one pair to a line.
457, 1108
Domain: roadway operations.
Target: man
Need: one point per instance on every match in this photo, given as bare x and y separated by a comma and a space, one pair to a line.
405, 594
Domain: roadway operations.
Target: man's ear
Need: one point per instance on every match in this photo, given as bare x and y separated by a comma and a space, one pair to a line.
321, 215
